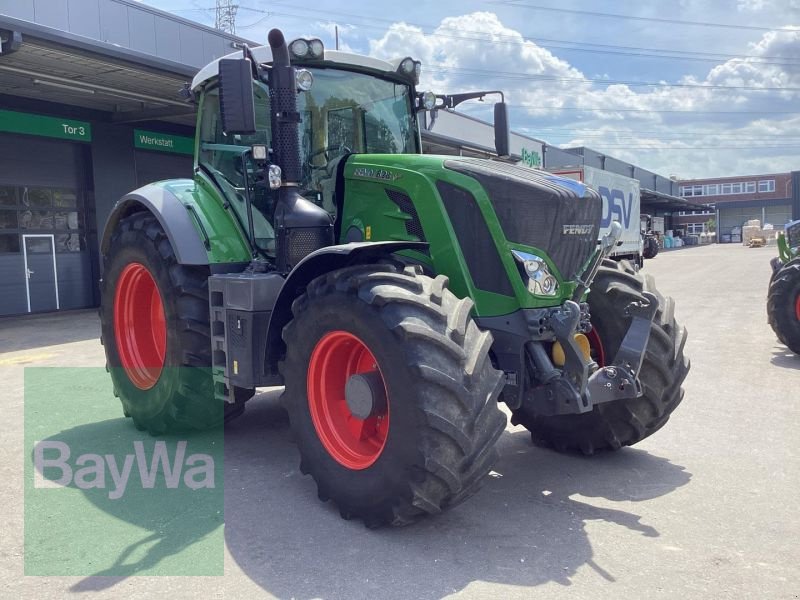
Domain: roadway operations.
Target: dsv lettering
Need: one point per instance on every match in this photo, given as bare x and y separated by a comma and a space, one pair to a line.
615, 207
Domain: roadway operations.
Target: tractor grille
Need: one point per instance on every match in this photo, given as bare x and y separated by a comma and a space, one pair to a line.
558, 216
475, 240
302, 241
404, 203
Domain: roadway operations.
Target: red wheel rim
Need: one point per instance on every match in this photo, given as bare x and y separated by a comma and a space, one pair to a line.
797, 307
596, 347
354, 443
139, 326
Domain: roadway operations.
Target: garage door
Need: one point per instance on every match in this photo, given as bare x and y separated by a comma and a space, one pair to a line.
156, 166
44, 263
779, 215
736, 217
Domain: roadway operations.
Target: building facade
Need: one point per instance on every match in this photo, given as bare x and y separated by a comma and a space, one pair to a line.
89, 110
732, 201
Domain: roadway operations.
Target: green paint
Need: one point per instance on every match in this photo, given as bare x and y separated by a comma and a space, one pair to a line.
30, 124
367, 205
785, 252
87, 525
228, 241
163, 142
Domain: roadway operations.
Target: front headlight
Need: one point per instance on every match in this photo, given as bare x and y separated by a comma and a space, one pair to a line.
535, 270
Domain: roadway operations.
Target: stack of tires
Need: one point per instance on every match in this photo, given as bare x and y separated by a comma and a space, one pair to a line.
783, 304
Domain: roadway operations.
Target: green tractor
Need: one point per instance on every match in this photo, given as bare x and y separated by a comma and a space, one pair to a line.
397, 296
783, 298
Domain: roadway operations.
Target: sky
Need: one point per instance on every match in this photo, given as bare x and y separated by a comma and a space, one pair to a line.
690, 88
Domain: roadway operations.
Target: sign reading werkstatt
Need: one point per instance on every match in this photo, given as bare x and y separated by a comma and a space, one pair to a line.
162, 142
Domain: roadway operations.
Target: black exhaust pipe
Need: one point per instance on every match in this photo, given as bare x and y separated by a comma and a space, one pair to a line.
285, 118
300, 225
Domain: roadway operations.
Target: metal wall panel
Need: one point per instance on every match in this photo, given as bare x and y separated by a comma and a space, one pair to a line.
156, 166
736, 217
191, 46
663, 184
113, 166
168, 39
620, 167
646, 178
142, 30
592, 159
215, 47
556, 157
84, 18
19, 9
13, 300
39, 162
52, 13
778, 215
114, 23
74, 280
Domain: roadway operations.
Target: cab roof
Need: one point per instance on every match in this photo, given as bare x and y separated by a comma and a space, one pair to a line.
263, 54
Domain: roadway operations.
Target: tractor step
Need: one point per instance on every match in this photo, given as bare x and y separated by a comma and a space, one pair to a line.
240, 306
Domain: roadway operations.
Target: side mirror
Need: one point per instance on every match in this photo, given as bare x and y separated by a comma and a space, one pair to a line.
502, 136
236, 103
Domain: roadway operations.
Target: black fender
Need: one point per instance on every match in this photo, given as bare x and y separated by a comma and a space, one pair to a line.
312, 266
173, 216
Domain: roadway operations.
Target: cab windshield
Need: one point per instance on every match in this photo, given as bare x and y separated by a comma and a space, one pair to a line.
347, 112
344, 112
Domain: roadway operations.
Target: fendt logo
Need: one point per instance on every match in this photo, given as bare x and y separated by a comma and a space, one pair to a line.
616, 207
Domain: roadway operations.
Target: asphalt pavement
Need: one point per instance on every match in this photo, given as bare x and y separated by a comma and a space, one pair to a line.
705, 508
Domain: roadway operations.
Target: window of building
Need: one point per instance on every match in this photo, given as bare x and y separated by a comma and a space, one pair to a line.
695, 228
726, 189
34, 210
766, 185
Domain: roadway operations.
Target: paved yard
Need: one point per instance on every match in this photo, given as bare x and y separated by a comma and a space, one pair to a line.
706, 508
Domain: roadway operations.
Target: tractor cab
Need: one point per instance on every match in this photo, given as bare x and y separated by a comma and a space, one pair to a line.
346, 104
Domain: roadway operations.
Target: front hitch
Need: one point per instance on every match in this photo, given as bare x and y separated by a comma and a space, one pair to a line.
573, 390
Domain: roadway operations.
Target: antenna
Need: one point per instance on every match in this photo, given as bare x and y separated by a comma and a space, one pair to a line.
226, 16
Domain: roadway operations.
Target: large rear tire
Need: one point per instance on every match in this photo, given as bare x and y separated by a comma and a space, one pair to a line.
430, 440
621, 423
155, 328
783, 305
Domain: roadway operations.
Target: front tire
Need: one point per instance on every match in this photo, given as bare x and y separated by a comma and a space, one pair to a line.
783, 305
612, 425
431, 442
155, 329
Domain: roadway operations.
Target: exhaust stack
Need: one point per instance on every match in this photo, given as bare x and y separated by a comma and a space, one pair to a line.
301, 226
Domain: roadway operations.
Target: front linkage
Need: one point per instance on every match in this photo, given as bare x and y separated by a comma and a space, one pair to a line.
580, 383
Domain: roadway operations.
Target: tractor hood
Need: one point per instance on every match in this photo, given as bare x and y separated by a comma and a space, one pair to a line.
557, 215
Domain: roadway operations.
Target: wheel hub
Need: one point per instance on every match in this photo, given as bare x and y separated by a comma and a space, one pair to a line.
365, 394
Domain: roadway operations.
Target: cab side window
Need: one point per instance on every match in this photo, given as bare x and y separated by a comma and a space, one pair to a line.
225, 158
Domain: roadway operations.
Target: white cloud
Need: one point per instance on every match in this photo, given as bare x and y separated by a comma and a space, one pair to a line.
478, 51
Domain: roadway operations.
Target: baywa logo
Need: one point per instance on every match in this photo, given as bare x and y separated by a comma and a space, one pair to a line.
103, 498
113, 473
531, 158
